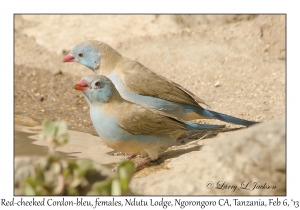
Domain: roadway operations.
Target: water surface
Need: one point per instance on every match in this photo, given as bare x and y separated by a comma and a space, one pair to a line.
81, 145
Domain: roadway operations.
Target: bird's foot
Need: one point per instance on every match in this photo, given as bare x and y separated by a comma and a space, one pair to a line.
124, 154
133, 156
141, 163
136, 165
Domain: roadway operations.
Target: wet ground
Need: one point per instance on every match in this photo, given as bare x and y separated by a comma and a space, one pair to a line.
84, 145
81, 145
39, 95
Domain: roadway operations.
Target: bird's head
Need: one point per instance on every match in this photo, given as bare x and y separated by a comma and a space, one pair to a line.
96, 88
86, 53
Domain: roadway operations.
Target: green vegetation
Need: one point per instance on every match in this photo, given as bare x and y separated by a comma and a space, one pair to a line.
82, 177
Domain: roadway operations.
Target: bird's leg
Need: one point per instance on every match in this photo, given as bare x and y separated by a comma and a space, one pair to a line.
124, 154
143, 162
133, 156
137, 165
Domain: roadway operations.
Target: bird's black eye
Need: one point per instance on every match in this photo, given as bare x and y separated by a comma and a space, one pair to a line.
97, 84
80, 55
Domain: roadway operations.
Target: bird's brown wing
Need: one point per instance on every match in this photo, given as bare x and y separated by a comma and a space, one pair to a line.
145, 82
137, 119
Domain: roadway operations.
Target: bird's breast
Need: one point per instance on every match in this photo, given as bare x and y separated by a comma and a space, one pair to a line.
120, 140
105, 124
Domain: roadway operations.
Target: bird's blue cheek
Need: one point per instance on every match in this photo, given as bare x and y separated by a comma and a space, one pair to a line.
93, 64
96, 64
87, 63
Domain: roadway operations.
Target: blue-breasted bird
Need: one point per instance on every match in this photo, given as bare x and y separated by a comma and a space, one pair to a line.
128, 127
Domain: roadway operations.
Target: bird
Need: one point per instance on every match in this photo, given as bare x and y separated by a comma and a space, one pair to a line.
140, 85
128, 127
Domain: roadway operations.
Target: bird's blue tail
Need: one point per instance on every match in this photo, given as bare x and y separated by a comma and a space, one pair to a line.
224, 117
196, 126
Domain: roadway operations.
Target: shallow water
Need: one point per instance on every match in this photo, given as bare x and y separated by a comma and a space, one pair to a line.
87, 146
81, 145
24, 147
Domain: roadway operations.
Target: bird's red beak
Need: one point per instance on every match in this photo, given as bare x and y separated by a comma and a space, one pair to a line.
69, 58
82, 85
